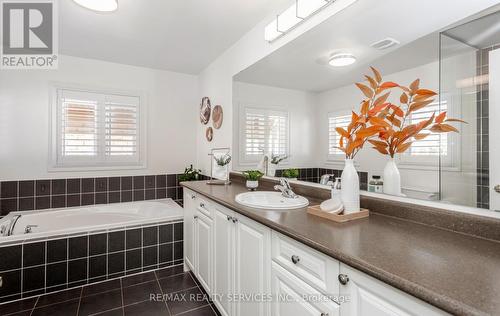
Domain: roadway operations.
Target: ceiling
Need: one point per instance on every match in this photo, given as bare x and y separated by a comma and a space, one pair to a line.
303, 63
177, 35
480, 33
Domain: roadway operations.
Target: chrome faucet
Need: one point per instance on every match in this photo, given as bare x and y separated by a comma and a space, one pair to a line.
325, 178
285, 189
28, 229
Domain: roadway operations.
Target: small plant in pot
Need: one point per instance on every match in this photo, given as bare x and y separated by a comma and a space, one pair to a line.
274, 162
252, 177
190, 174
291, 173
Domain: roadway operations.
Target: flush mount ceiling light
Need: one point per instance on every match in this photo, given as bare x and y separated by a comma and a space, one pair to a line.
99, 5
342, 59
300, 11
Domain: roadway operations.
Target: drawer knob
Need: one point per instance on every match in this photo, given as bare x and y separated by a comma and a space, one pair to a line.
202, 205
234, 219
229, 218
295, 259
343, 279
324, 314
193, 196
195, 217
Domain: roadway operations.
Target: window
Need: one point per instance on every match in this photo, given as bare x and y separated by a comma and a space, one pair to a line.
96, 130
334, 121
264, 131
433, 144
444, 147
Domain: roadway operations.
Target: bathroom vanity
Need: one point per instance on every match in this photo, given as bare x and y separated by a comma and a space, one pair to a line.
376, 266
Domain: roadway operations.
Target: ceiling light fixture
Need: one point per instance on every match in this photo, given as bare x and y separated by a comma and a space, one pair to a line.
297, 13
99, 5
342, 59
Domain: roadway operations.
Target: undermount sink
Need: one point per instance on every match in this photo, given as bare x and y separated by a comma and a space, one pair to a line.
270, 200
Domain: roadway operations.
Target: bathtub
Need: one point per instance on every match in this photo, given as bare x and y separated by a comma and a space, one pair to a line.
46, 223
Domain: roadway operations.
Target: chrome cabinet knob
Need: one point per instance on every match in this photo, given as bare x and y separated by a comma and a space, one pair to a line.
497, 188
295, 259
195, 217
343, 279
193, 196
235, 220
229, 218
202, 205
324, 314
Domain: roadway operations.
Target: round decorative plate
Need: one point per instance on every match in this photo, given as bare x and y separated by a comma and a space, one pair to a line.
205, 109
217, 116
209, 134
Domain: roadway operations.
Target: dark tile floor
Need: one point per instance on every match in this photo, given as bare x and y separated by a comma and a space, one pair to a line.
175, 293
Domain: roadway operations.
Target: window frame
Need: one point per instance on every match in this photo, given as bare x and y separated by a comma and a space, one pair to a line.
450, 162
81, 164
244, 160
340, 157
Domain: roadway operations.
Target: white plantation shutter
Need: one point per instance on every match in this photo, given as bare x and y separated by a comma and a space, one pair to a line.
121, 126
265, 131
95, 129
433, 144
79, 125
335, 121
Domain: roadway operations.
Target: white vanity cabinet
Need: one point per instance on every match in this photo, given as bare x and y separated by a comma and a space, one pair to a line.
251, 270
242, 264
367, 296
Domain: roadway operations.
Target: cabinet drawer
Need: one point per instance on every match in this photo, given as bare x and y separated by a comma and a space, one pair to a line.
204, 206
317, 269
295, 297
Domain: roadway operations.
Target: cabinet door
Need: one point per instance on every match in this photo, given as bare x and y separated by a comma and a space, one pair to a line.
252, 267
370, 297
295, 297
189, 212
223, 258
204, 251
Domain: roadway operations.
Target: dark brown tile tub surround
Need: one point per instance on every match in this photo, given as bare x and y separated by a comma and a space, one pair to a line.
44, 266
28, 195
456, 272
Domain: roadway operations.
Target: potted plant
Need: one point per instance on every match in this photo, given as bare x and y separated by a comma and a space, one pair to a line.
273, 163
390, 123
291, 173
190, 174
221, 166
252, 177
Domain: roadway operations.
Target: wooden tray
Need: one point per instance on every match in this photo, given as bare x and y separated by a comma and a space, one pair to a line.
338, 218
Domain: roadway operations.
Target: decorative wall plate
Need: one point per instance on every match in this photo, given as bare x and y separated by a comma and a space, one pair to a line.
205, 109
209, 134
217, 116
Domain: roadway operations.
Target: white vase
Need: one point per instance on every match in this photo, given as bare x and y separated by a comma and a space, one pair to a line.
349, 192
252, 185
271, 169
220, 172
392, 178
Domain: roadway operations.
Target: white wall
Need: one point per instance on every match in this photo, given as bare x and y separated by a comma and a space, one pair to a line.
24, 115
300, 106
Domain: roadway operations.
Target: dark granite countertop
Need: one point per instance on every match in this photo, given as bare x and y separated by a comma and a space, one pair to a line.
455, 272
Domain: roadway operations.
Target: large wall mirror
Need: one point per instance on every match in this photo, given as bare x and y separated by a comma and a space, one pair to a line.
289, 104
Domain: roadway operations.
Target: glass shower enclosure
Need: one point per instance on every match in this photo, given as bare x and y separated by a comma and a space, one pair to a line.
470, 90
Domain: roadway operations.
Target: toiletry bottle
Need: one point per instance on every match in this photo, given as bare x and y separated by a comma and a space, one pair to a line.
376, 184
336, 189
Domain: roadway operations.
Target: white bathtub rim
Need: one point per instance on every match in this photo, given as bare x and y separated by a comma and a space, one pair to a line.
94, 229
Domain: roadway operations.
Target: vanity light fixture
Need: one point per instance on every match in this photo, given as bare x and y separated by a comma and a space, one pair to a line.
342, 59
99, 5
297, 13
